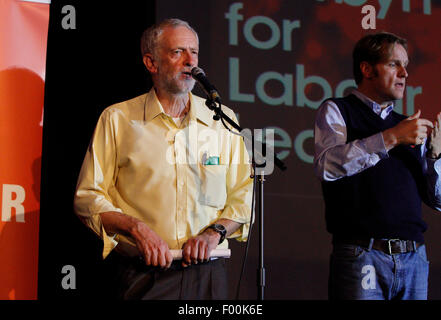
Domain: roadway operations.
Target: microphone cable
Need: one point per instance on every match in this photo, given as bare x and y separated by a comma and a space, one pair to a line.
249, 236
253, 175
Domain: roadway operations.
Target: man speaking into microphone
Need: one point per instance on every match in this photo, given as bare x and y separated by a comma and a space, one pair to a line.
161, 175
376, 167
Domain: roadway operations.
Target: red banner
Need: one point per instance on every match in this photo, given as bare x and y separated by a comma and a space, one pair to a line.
23, 38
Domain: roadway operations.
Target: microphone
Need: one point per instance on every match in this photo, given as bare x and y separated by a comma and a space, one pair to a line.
199, 75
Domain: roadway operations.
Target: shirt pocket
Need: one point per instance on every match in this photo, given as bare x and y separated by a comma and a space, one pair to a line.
213, 190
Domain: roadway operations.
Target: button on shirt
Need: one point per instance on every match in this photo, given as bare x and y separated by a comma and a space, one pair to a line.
334, 158
142, 164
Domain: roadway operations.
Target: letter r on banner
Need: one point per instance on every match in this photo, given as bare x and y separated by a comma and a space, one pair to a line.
12, 197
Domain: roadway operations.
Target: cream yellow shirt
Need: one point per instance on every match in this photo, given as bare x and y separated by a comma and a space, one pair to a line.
141, 164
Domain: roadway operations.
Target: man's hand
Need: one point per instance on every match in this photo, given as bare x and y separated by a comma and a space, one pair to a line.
198, 249
434, 149
412, 130
153, 249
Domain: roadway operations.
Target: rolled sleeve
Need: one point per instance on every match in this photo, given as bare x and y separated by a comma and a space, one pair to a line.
433, 169
239, 189
95, 180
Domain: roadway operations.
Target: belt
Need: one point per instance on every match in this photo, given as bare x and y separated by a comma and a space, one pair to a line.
388, 246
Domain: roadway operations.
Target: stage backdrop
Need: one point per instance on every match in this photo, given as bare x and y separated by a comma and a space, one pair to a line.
274, 62
23, 34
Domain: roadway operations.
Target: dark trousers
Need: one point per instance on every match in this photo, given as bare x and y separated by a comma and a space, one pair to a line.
131, 279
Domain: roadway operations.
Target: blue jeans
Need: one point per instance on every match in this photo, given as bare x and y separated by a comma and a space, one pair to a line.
358, 273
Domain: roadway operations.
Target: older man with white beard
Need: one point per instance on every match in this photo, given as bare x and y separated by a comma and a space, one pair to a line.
142, 200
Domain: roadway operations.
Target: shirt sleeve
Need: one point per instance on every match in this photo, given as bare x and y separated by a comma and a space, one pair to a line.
96, 180
432, 169
239, 188
336, 158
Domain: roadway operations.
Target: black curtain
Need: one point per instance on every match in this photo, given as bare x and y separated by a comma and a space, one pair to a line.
88, 68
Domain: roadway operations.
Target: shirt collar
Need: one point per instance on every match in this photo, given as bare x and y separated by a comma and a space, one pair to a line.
152, 106
373, 105
198, 110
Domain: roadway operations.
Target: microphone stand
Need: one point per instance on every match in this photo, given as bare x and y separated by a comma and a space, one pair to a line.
211, 104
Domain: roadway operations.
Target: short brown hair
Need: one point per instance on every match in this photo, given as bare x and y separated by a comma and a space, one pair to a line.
374, 48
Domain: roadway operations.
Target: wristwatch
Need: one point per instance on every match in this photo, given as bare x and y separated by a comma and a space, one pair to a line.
219, 228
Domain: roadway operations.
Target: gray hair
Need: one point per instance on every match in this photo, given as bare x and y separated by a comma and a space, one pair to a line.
150, 37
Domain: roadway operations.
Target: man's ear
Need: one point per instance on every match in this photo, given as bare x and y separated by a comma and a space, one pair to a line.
367, 70
150, 63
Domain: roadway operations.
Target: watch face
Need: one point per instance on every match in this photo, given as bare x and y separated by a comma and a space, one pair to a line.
220, 228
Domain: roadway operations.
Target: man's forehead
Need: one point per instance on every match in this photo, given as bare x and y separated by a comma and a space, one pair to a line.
397, 52
179, 36
398, 49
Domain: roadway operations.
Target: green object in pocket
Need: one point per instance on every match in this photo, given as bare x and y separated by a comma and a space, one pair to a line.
212, 161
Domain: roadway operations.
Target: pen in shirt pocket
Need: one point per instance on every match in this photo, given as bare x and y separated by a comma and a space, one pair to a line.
210, 160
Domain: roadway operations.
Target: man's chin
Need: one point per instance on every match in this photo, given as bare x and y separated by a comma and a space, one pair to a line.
177, 91
190, 85
396, 95
185, 88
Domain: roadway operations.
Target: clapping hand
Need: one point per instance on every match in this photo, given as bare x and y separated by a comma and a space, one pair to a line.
411, 131
434, 148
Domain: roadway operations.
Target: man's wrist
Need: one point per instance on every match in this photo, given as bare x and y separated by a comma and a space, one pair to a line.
213, 234
219, 230
432, 154
389, 138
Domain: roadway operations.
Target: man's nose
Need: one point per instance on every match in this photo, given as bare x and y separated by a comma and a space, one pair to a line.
190, 60
403, 72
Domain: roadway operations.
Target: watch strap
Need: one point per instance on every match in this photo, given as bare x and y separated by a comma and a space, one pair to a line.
219, 228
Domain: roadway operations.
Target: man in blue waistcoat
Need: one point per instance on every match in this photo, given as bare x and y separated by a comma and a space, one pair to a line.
377, 167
